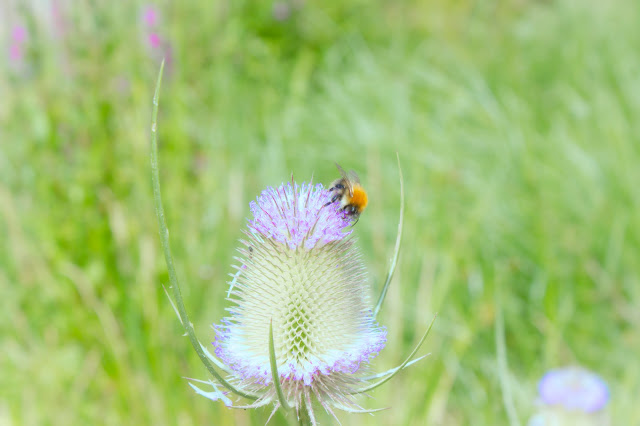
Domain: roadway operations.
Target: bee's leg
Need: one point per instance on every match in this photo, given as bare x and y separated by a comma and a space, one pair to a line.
333, 200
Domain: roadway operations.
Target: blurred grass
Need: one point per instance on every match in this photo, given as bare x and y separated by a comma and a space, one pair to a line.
516, 124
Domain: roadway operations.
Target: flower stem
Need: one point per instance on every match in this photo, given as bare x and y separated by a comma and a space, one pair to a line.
164, 238
303, 414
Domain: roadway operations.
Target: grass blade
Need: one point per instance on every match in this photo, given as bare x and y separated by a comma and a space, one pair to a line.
503, 368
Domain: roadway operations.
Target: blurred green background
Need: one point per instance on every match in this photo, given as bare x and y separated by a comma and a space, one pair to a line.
517, 127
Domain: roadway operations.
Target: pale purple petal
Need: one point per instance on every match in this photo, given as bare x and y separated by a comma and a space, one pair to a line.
298, 216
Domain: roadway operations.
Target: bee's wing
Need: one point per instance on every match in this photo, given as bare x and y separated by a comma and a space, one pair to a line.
347, 179
353, 177
342, 172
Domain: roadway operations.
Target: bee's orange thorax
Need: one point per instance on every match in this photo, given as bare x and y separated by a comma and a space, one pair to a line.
359, 198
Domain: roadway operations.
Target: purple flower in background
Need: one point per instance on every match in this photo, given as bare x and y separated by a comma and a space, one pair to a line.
19, 34
154, 40
16, 45
153, 33
150, 16
15, 52
58, 15
574, 388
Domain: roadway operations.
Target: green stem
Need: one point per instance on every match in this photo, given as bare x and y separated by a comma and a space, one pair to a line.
164, 238
304, 419
501, 357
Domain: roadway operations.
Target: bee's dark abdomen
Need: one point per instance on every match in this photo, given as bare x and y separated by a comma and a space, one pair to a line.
350, 210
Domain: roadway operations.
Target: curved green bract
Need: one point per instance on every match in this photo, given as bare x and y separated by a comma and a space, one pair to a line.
404, 364
396, 251
274, 369
164, 238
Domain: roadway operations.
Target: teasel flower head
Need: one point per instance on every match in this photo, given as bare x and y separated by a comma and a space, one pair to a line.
301, 330
302, 327
301, 310
299, 274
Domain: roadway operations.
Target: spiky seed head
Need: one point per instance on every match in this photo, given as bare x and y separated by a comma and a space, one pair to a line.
300, 270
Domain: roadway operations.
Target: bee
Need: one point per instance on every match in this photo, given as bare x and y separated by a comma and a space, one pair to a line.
352, 196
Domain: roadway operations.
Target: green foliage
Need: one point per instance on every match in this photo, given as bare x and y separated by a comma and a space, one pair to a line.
516, 125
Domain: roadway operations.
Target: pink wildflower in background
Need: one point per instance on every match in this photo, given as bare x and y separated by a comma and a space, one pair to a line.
19, 34
58, 16
150, 16
154, 40
15, 53
17, 44
153, 34
150, 19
